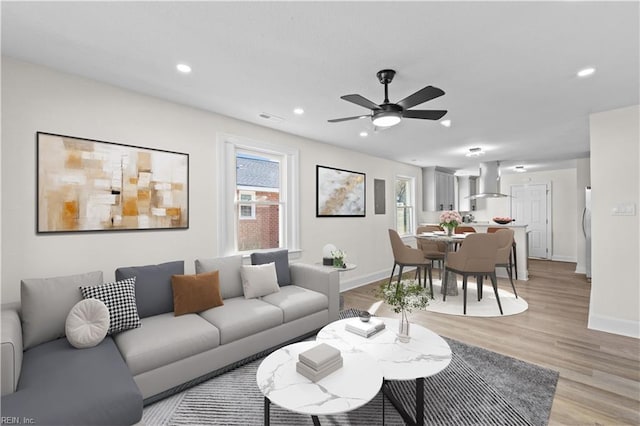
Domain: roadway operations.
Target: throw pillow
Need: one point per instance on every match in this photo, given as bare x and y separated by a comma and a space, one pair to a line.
195, 293
87, 323
153, 286
281, 259
259, 280
120, 298
46, 302
229, 270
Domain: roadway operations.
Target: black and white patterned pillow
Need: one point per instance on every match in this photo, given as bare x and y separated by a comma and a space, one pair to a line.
120, 299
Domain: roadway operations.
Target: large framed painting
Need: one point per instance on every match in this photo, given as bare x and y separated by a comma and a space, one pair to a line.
340, 192
90, 185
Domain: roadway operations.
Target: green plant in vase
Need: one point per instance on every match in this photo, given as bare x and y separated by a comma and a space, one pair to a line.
338, 258
404, 297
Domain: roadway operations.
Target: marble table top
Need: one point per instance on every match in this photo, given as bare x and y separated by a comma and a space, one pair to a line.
424, 355
346, 389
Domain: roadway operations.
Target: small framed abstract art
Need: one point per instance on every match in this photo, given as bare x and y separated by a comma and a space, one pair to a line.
90, 185
340, 193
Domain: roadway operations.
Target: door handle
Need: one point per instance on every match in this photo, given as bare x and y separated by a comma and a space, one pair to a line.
584, 213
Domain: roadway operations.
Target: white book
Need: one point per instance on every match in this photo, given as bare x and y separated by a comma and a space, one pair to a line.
365, 329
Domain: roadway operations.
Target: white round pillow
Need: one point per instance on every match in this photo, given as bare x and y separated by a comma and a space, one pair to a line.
87, 323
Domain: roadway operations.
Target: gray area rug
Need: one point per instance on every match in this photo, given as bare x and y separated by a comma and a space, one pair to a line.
479, 387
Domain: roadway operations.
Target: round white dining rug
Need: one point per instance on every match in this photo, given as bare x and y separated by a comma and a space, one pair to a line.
487, 307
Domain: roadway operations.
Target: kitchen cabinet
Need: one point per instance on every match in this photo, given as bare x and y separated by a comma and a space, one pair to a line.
438, 187
467, 186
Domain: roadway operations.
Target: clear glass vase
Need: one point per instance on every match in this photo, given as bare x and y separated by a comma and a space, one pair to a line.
449, 231
403, 327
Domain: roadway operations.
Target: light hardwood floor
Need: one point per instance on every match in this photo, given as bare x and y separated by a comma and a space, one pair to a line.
599, 372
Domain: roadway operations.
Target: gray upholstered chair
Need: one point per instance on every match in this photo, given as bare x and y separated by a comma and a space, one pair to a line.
404, 255
476, 257
514, 258
503, 258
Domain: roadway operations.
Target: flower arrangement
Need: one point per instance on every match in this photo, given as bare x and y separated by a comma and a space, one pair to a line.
449, 220
405, 296
338, 258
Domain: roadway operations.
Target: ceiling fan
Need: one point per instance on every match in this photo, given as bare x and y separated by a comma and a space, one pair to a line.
387, 114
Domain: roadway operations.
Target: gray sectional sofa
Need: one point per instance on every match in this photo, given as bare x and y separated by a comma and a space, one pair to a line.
50, 382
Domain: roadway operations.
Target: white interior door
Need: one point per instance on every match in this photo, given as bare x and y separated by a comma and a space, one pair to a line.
529, 205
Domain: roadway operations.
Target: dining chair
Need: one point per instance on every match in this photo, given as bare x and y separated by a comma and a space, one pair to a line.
503, 257
463, 229
404, 255
514, 258
476, 257
432, 250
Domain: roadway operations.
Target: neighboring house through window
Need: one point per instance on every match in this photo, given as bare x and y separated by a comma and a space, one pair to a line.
405, 196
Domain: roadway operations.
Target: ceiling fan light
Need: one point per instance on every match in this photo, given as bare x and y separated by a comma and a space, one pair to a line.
386, 119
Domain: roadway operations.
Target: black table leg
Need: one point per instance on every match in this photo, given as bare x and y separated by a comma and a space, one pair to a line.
316, 422
420, 401
407, 417
267, 406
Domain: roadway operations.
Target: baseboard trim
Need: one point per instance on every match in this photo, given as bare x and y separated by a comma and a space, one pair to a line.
369, 278
614, 325
571, 259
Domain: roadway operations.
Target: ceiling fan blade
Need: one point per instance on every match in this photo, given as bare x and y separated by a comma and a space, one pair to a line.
337, 120
360, 100
422, 95
432, 114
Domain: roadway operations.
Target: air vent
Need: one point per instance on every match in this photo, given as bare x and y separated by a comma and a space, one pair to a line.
270, 117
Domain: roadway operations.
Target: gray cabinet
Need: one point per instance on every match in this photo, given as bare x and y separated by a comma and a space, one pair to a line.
467, 186
438, 186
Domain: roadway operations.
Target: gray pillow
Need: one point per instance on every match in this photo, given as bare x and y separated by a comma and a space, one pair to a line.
46, 302
229, 273
154, 295
280, 258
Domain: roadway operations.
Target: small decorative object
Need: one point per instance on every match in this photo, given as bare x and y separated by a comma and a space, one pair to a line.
404, 297
365, 316
449, 220
502, 220
338, 258
327, 257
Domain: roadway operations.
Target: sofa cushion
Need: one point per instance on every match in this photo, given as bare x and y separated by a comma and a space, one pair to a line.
164, 339
259, 280
297, 302
280, 258
87, 323
229, 269
120, 299
240, 317
153, 286
61, 385
195, 293
46, 302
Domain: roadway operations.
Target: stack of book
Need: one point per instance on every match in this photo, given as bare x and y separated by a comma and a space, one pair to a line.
364, 329
318, 362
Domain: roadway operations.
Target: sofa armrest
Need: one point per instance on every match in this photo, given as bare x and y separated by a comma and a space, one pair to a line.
11, 350
321, 279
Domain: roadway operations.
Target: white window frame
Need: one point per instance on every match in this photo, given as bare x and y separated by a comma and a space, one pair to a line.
227, 148
245, 203
411, 201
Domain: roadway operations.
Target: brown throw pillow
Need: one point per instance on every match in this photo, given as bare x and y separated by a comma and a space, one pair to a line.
195, 293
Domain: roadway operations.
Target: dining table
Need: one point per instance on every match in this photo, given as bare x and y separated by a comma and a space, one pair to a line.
452, 241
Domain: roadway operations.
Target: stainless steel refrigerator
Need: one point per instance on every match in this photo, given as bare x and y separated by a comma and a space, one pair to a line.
586, 230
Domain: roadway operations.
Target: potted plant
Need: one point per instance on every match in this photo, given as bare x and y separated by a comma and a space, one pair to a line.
404, 297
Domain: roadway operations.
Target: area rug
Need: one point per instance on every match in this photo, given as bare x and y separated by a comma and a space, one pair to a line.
487, 307
478, 388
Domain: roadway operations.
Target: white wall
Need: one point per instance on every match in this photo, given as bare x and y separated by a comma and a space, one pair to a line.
615, 160
39, 99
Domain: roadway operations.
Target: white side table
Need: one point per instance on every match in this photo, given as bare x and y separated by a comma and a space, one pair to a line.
346, 389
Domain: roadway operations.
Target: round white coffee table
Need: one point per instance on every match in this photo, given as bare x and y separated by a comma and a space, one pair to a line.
346, 389
426, 354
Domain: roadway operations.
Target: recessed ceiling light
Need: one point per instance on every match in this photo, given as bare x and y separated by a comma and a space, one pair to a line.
446, 123
520, 169
298, 111
586, 72
475, 152
183, 68
364, 134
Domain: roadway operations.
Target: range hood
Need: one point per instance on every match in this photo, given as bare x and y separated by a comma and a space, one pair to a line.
489, 181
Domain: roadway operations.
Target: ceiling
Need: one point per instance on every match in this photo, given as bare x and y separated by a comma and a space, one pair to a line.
508, 68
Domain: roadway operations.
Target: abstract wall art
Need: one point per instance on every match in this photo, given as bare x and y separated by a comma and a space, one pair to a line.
90, 185
340, 192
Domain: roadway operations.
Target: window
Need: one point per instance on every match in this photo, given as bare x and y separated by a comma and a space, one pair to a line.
405, 196
258, 203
